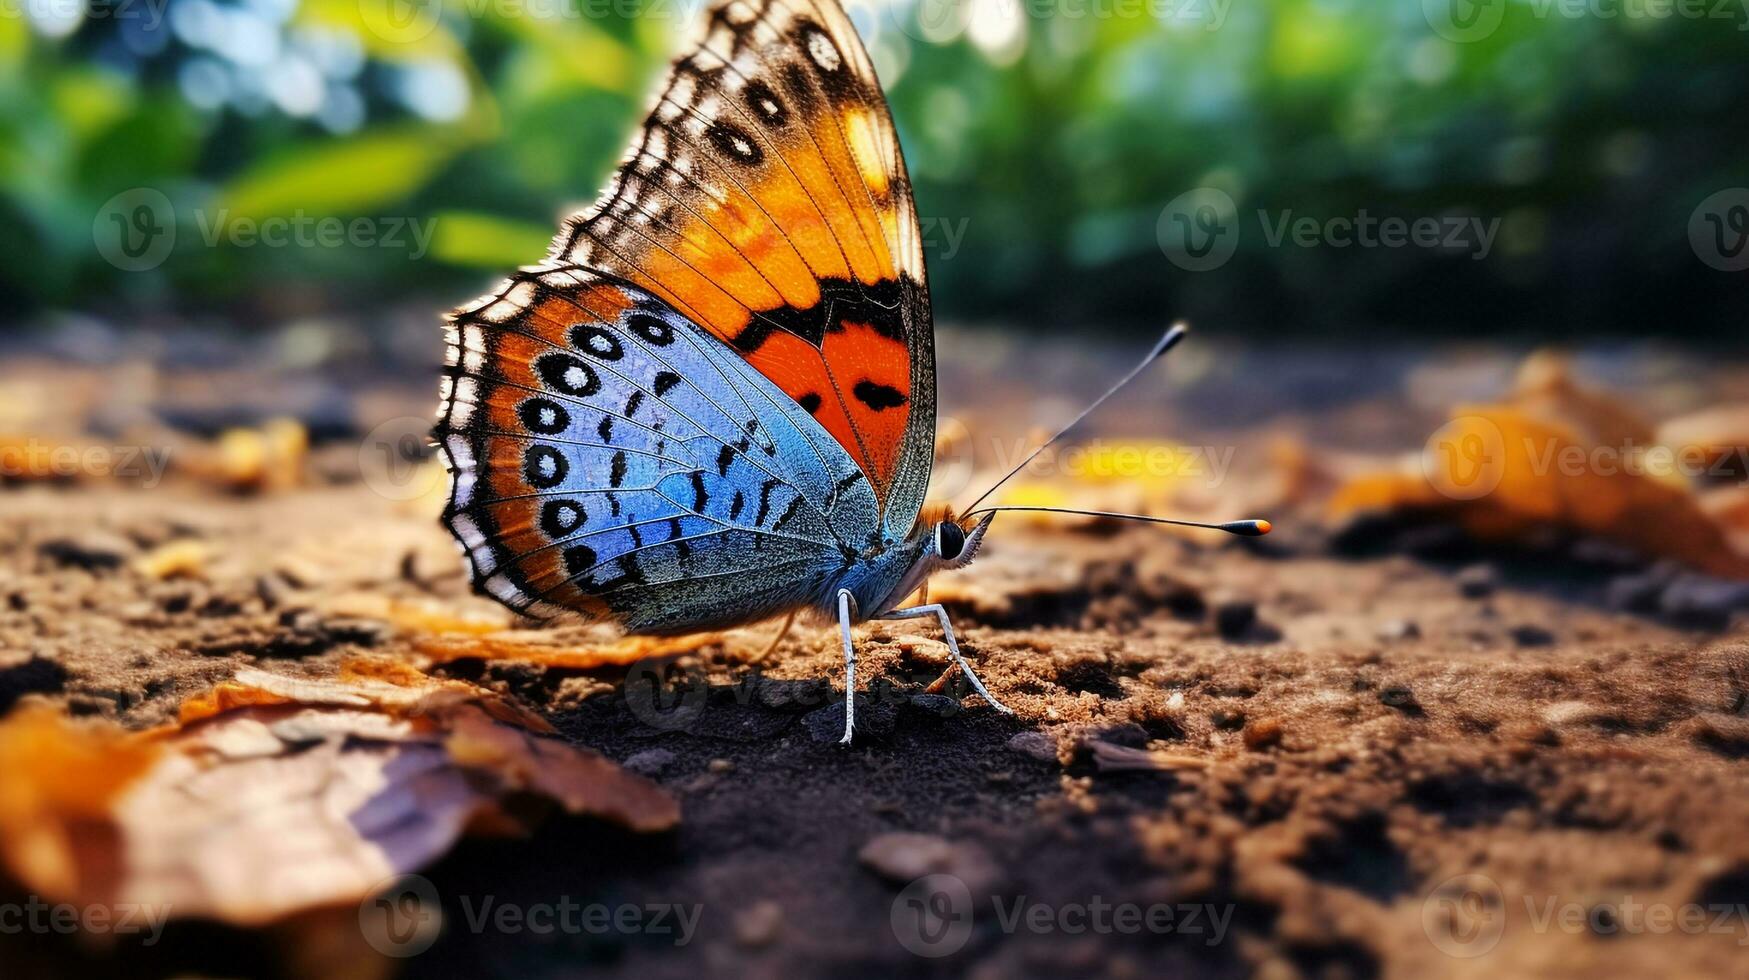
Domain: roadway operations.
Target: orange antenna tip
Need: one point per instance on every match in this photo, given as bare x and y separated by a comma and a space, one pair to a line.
1249, 529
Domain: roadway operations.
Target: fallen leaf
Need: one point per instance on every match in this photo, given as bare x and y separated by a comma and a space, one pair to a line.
626, 650
1719, 436
277, 795
1557, 455
1110, 757
268, 458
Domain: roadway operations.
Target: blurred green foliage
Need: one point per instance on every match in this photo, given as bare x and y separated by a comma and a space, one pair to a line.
1045, 138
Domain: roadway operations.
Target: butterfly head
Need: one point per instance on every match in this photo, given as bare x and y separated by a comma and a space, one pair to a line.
949, 541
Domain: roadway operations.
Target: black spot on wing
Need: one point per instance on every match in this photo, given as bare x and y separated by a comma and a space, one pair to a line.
764, 102
569, 374
810, 402
735, 143
543, 415
578, 559
725, 457
764, 501
597, 341
544, 467
605, 429
558, 518
665, 382
878, 397
700, 496
617, 470
632, 402
788, 513
651, 328
736, 506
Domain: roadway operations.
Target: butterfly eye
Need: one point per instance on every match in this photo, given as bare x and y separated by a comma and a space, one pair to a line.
950, 540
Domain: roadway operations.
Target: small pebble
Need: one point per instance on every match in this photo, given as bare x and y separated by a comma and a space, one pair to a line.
935, 705
1527, 635
1477, 582
1435, 542
905, 857
272, 590
1635, 593
1262, 734
721, 765
874, 719
1703, 602
1227, 719
1234, 617
92, 550
1399, 696
759, 924
1034, 745
1399, 629
1603, 553
650, 762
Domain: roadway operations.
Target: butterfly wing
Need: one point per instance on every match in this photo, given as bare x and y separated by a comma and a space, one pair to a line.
766, 200
610, 457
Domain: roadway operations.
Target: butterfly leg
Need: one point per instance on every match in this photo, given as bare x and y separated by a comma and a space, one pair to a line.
845, 601
953, 647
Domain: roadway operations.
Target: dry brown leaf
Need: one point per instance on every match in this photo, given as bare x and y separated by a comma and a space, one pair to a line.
1545, 389
626, 650
1110, 757
278, 795
1719, 434
268, 458
1557, 455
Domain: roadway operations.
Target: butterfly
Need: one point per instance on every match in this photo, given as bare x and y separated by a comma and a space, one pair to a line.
713, 403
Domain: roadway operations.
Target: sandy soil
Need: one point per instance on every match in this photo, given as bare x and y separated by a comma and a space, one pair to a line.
1318, 765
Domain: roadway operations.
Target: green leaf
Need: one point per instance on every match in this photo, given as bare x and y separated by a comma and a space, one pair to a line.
471, 238
338, 177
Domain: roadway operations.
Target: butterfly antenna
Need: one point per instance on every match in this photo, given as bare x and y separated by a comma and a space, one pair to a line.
1170, 340
1253, 528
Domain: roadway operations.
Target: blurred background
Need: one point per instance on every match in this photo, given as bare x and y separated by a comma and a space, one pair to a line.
1390, 170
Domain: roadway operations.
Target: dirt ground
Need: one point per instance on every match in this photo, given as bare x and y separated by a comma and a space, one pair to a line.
1417, 760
